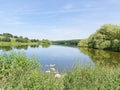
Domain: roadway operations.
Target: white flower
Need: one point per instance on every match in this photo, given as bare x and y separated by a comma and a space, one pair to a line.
53, 69
47, 71
52, 65
57, 76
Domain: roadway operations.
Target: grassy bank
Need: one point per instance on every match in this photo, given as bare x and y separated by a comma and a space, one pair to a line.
7, 39
17, 43
17, 72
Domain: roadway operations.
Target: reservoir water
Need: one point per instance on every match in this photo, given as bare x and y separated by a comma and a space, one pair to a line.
64, 57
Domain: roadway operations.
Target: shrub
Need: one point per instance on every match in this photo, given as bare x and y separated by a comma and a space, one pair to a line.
89, 78
22, 40
107, 37
34, 40
19, 72
6, 39
7, 35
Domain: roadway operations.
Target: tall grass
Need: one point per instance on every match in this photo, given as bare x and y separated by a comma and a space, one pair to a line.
93, 78
18, 72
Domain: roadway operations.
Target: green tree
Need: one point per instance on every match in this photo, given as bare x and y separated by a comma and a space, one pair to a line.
15, 36
6, 39
34, 40
107, 38
7, 35
22, 40
45, 41
0, 39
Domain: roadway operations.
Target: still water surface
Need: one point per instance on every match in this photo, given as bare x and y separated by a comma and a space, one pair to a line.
65, 57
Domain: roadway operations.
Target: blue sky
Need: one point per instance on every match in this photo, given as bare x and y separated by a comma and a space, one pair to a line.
57, 19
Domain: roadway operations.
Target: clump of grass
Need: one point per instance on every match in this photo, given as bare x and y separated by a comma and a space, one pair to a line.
93, 78
18, 72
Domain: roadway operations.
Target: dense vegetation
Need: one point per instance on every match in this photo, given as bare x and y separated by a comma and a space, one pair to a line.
106, 38
45, 41
7, 39
66, 42
102, 56
18, 72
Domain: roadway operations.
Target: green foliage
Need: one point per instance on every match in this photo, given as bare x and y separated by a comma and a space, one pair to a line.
105, 45
6, 39
5, 48
0, 39
83, 43
7, 35
34, 40
15, 36
25, 47
34, 46
104, 57
9, 62
106, 38
89, 78
22, 40
116, 45
18, 72
44, 45
45, 41
66, 42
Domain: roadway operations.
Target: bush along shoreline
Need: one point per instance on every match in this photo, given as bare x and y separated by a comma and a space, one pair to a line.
105, 38
19, 72
7, 39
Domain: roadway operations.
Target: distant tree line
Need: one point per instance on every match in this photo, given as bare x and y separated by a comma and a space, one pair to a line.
35, 40
106, 38
22, 40
46, 41
7, 37
67, 42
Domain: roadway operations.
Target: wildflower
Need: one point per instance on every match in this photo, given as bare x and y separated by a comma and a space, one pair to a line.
52, 65
47, 71
53, 69
57, 76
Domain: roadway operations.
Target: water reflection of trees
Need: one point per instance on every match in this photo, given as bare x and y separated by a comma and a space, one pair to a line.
45, 45
25, 47
21, 47
101, 56
5, 48
34, 46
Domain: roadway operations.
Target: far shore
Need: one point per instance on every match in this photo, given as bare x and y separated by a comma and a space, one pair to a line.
17, 43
